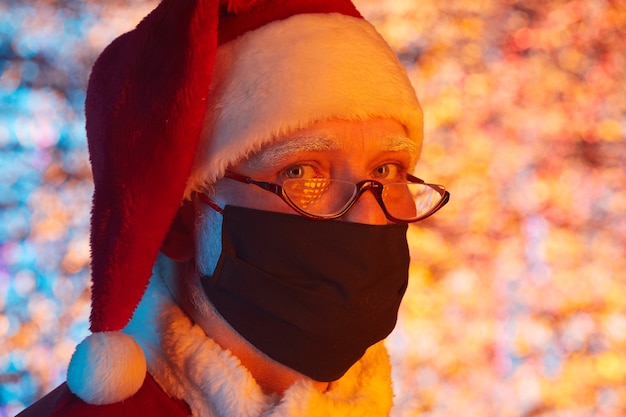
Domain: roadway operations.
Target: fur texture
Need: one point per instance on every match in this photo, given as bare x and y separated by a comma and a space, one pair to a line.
190, 366
98, 376
288, 74
240, 16
142, 128
238, 6
146, 109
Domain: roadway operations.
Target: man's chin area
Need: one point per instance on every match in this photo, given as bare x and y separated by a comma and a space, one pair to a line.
284, 377
272, 376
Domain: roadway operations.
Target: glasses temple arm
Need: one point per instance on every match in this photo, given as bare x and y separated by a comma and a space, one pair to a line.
210, 203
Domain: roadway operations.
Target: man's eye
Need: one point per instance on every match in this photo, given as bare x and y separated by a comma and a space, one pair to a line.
299, 172
387, 171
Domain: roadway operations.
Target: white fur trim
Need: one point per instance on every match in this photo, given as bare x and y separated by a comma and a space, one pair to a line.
189, 365
291, 73
106, 368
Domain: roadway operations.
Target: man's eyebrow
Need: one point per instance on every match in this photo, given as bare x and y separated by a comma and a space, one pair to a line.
398, 143
274, 154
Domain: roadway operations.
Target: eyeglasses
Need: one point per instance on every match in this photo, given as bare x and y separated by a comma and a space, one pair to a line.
323, 198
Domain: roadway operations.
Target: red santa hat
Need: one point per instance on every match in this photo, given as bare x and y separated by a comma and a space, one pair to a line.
195, 87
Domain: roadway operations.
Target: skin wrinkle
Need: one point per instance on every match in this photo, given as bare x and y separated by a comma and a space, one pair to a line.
355, 146
274, 154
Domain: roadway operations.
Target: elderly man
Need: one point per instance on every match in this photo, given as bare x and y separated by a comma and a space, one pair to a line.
253, 184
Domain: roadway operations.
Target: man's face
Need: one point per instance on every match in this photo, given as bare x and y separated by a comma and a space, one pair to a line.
352, 151
346, 150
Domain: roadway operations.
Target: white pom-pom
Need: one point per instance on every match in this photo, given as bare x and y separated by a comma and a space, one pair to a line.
106, 368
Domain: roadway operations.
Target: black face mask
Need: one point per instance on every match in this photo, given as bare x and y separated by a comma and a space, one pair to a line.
313, 295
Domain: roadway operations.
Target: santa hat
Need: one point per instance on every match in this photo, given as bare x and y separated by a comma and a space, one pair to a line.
195, 87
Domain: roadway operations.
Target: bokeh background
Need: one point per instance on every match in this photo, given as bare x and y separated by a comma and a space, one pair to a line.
517, 301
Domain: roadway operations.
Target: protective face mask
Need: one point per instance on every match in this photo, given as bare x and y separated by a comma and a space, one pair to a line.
312, 295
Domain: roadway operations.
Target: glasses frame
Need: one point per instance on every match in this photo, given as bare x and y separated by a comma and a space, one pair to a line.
361, 187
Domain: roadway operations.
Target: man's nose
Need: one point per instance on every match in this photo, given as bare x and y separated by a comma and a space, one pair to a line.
366, 210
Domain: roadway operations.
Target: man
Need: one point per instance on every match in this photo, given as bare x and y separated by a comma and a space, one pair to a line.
252, 166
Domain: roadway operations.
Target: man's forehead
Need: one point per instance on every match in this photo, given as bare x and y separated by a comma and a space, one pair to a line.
275, 152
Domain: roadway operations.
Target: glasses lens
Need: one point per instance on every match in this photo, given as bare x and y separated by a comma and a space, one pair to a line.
410, 201
319, 196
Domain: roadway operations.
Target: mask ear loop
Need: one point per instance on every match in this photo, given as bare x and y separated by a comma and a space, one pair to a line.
210, 203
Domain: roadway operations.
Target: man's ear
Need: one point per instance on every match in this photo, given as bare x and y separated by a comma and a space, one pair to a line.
179, 243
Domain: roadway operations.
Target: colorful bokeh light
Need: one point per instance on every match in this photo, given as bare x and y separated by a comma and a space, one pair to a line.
517, 300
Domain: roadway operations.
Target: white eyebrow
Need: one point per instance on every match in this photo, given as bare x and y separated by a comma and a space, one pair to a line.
399, 143
275, 153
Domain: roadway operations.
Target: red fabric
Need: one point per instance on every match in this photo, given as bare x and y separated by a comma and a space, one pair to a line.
243, 19
145, 106
150, 400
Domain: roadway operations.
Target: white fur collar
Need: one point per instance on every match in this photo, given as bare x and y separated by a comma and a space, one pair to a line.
189, 365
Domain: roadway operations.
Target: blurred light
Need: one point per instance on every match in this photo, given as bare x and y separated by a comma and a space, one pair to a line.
24, 283
515, 305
